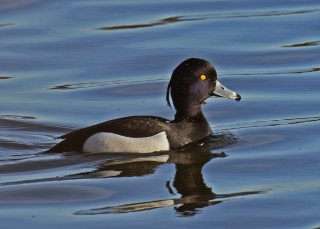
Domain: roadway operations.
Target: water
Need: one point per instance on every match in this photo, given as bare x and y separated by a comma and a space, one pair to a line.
68, 64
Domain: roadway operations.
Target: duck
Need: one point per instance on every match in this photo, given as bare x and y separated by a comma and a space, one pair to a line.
192, 82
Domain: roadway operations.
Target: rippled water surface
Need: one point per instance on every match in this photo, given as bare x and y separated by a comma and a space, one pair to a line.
69, 64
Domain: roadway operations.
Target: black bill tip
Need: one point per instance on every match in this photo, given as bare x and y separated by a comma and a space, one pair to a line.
238, 98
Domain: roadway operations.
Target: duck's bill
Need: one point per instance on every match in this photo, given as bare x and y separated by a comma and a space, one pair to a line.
222, 91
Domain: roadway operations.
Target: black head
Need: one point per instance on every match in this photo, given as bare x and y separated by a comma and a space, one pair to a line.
191, 83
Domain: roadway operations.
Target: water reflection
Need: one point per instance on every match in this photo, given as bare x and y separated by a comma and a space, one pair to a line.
188, 182
188, 191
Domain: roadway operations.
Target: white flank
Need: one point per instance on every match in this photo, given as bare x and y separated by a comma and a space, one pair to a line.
109, 142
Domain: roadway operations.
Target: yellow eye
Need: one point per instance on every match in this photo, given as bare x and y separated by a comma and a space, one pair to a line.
203, 77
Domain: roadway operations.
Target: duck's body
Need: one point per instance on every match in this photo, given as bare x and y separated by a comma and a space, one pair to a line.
138, 130
192, 82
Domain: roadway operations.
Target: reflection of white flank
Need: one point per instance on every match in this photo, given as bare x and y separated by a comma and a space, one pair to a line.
141, 206
159, 158
109, 142
105, 174
129, 207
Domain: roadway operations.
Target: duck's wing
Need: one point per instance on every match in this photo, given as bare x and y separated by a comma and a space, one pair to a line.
134, 126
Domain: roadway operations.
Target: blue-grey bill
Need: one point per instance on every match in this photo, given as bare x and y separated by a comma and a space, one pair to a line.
224, 92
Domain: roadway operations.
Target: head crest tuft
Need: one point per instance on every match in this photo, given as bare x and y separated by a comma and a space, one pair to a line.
168, 94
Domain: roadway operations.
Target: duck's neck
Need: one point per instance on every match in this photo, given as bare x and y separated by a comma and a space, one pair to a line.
186, 115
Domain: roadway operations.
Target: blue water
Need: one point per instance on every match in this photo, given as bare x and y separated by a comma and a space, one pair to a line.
69, 64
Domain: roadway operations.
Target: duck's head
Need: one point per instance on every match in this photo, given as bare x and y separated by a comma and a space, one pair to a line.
191, 83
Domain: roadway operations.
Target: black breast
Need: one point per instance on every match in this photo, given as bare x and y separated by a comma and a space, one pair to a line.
186, 131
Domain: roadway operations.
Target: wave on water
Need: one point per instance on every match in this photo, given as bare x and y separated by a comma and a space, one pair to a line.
95, 84
309, 43
269, 123
23, 137
211, 16
275, 72
5, 77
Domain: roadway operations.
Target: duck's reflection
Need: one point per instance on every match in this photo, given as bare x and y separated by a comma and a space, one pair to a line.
188, 182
